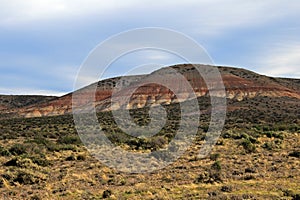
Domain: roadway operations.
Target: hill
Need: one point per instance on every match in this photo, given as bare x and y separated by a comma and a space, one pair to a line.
10, 102
257, 155
239, 83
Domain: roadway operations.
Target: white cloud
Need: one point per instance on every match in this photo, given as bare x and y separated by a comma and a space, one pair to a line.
206, 17
14, 12
29, 91
281, 59
215, 18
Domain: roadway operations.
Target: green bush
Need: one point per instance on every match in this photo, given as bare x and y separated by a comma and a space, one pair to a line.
12, 162
214, 156
295, 154
40, 140
4, 151
268, 145
18, 149
226, 188
40, 161
69, 139
213, 175
157, 142
216, 166
270, 134
106, 194
26, 161
51, 146
248, 146
81, 157
71, 158
25, 178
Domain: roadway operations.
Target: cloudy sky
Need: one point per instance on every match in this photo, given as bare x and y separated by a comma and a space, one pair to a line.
44, 43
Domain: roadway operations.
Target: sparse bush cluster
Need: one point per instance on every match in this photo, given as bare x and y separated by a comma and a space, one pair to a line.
153, 143
271, 134
4, 151
69, 139
214, 174
248, 146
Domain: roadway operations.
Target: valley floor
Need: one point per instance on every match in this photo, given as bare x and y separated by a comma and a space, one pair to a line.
247, 163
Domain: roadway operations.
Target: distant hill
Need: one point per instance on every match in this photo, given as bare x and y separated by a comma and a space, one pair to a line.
9, 102
241, 86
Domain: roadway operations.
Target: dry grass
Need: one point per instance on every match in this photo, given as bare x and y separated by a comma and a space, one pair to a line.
42, 158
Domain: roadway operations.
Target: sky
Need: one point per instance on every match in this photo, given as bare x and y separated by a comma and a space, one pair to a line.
44, 43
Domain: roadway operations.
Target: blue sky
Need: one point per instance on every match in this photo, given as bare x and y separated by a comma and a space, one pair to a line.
43, 43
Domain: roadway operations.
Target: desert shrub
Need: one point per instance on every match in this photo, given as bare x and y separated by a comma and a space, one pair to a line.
220, 142
81, 157
8, 136
278, 142
279, 136
281, 127
226, 188
17, 149
216, 166
245, 135
294, 128
268, 146
35, 197
71, 158
266, 128
44, 142
258, 127
157, 142
270, 134
248, 137
214, 174
40, 140
271, 145
250, 170
152, 143
205, 128
134, 143
40, 161
248, 146
213, 194
226, 135
249, 177
106, 194
69, 139
51, 146
4, 151
12, 162
25, 178
253, 140
290, 193
202, 178
67, 147
214, 156
296, 196
26, 160
295, 154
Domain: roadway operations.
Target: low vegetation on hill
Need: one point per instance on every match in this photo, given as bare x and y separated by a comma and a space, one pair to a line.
256, 157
